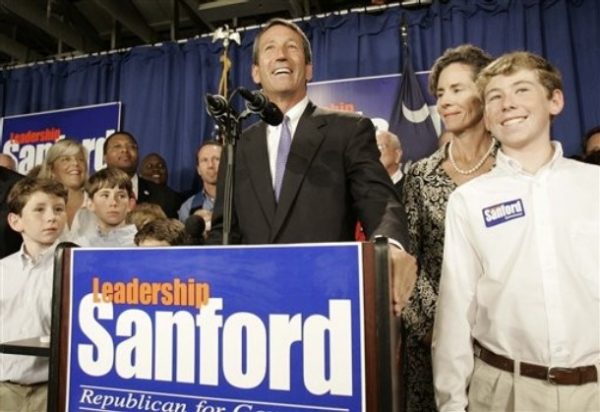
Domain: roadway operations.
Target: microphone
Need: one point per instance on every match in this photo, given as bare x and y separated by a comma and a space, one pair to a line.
195, 227
259, 104
216, 105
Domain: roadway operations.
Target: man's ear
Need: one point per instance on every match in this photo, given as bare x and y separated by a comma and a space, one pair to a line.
15, 222
398, 156
309, 72
255, 74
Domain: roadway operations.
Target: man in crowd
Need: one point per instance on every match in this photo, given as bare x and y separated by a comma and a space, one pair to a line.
154, 168
311, 178
121, 151
591, 146
207, 167
10, 241
517, 325
391, 156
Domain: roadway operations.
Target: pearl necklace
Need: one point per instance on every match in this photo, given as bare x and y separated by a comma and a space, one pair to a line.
474, 168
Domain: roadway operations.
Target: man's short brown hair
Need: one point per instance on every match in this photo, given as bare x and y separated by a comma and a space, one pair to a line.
22, 191
109, 178
290, 25
123, 132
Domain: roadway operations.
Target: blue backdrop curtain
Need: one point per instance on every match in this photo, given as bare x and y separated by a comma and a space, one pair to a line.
162, 87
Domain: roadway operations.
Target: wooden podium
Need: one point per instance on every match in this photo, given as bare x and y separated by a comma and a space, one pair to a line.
380, 328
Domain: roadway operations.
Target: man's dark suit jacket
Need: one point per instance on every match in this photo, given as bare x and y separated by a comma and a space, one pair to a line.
333, 179
399, 187
10, 241
164, 196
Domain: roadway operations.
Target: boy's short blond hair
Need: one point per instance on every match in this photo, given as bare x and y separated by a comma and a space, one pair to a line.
510, 63
22, 191
107, 179
144, 213
171, 231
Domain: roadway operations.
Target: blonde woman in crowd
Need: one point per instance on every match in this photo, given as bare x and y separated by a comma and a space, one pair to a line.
67, 162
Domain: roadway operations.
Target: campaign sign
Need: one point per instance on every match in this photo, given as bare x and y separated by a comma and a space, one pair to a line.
27, 137
376, 98
223, 329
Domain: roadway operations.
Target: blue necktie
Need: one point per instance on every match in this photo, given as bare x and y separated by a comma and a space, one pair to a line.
285, 141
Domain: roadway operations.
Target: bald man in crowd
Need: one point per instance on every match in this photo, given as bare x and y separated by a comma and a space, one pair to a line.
391, 156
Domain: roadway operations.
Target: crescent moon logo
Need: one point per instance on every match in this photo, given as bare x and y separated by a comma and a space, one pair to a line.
415, 116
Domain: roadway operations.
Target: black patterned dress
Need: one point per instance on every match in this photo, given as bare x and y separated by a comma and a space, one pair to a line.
426, 190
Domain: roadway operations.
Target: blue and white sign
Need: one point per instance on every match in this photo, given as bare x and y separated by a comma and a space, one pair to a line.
228, 329
503, 212
378, 99
27, 137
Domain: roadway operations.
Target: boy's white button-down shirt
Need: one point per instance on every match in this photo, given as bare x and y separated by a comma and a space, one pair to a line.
521, 271
25, 312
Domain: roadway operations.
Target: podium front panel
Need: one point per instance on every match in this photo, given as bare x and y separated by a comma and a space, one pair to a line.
236, 329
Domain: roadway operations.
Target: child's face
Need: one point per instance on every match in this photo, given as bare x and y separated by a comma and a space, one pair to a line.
111, 206
518, 110
41, 221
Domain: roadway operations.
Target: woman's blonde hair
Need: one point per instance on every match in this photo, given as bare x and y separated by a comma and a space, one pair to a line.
64, 147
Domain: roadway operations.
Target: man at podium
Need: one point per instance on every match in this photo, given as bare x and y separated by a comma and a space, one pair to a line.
311, 178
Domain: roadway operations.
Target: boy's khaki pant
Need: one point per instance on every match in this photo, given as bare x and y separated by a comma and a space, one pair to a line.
23, 398
494, 390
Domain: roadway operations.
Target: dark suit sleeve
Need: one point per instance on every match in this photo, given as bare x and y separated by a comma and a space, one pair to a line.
376, 201
164, 196
10, 241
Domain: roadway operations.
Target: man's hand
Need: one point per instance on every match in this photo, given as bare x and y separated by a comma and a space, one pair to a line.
404, 276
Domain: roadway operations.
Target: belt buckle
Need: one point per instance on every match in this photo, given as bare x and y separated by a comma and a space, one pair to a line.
551, 376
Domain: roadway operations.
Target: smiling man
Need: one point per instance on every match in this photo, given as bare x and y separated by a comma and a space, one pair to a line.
517, 322
154, 168
313, 177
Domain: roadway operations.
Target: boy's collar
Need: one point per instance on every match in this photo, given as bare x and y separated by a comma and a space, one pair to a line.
510, 163
26, 258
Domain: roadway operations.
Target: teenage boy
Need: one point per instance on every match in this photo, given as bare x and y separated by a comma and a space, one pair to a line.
518, 325
110, 198
37, 210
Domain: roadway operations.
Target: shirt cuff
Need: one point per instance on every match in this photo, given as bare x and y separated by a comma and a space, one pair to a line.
391, 241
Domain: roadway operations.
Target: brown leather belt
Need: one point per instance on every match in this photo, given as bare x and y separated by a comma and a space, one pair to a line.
559, 376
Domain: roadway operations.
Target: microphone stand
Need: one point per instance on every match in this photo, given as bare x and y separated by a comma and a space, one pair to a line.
230, 123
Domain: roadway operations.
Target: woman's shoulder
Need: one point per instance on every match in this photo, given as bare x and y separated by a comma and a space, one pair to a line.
429, 164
